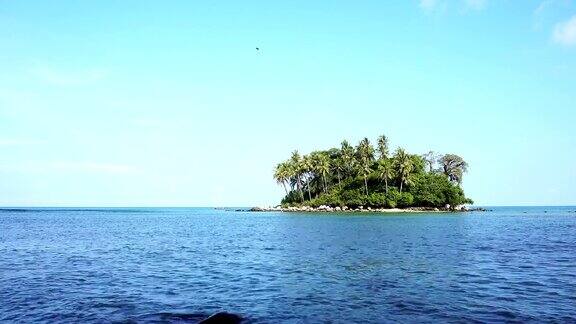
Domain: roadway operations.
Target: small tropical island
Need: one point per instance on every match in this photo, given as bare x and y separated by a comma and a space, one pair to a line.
368, 178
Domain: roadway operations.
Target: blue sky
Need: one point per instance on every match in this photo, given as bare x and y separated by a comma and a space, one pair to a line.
167, 103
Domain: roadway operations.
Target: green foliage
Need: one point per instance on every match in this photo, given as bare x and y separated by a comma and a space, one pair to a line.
418, 164
331, 199
430, 190
293, 197
351, 176
353, 198
383, 148
376, 199
406, 200
455, 196
392, 198
436, 190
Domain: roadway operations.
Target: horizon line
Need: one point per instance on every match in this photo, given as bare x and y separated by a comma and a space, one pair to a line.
247, 206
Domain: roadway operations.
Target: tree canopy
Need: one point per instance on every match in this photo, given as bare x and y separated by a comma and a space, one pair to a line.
367, 176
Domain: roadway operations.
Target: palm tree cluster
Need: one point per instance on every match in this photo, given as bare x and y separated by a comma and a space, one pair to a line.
364, 175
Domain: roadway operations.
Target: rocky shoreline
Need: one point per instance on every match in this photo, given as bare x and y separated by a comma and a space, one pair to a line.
361, 209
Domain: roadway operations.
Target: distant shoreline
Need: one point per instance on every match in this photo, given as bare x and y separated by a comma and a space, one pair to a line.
328, 209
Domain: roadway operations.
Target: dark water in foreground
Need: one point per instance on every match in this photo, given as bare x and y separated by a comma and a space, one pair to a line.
179, 265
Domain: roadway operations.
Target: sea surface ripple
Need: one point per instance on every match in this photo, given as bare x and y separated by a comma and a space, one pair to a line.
513, 264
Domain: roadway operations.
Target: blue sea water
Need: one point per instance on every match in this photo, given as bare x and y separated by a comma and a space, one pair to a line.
513, 264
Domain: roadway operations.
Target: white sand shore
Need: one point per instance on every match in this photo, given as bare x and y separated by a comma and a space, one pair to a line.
363, 210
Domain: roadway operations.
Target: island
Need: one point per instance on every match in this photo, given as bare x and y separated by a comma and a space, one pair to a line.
368, 178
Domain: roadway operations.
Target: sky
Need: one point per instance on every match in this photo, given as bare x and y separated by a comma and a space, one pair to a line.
168, 103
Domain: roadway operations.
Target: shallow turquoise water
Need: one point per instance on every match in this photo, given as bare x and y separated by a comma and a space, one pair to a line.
180, 265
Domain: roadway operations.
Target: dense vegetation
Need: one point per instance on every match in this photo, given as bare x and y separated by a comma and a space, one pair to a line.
372, 177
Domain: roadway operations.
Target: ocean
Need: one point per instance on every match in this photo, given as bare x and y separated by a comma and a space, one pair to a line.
179, 265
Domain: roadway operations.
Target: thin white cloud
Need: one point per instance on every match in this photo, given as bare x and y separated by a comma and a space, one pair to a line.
59, 77
546, 12
428, 4
565, 32
542, 7
539, 13
475, 4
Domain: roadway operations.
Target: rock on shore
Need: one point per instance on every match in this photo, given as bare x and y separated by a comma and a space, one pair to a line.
361, 209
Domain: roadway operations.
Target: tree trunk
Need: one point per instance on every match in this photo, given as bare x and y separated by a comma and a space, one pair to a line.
366, 185
308, 185
401, 185
325, 186
339, 183
386, 184
285, 189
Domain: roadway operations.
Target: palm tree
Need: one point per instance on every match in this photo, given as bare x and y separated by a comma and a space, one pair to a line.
365, 171
404, 166
383, 147
338, 166
295, 171
385, 171
365, 153
307, 167
282, 175
348, 161
322, 167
